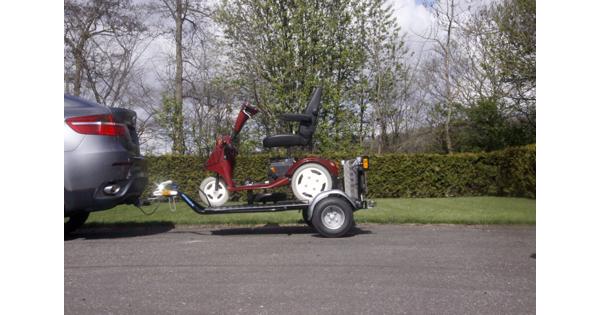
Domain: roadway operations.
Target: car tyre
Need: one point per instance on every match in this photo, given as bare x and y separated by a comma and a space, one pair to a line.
75, 221
333, 217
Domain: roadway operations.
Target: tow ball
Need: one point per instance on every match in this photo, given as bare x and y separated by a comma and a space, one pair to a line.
166, 191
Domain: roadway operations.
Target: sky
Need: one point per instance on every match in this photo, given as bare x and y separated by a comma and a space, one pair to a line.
412, 16
414, 19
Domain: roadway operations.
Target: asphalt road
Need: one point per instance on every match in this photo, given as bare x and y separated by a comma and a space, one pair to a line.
380, 269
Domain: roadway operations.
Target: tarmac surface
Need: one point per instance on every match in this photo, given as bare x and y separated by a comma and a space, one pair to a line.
378, 269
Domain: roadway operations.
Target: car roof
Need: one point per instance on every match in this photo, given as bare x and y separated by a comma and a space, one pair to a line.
75, 101
77, 106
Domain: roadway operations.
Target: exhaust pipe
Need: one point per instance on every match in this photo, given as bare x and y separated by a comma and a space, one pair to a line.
112, 189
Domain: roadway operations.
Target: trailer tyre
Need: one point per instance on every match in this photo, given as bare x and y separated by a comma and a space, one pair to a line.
332, 217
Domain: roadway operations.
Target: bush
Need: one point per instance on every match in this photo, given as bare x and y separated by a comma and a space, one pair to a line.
509, 172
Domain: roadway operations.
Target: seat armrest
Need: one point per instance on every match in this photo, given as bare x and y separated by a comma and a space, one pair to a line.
296, 117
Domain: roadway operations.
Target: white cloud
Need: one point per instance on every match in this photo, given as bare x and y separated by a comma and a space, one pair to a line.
415, 21
412, 17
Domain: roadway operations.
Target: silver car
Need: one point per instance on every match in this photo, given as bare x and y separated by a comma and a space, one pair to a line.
103, 165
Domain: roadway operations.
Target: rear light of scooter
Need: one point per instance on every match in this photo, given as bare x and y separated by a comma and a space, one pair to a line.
101, 125
365, 162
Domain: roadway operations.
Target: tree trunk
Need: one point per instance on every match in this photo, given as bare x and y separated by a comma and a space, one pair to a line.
77, 79
447, 78
78, 54
362, 116
178, 139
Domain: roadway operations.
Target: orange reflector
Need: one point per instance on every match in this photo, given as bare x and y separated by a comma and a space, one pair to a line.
365, 163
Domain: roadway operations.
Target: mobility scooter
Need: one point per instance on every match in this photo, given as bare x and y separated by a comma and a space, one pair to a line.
312, 179
307, 176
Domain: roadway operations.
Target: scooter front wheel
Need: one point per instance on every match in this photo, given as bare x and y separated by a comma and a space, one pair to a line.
213, 193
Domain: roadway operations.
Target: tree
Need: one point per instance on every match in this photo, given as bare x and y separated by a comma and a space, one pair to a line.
102, 41
447, 14
514, 48
385, 71
486, 127
496, 66
185, 16
280, 50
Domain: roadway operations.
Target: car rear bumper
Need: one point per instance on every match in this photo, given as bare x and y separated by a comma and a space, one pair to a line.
96, 199
86, 179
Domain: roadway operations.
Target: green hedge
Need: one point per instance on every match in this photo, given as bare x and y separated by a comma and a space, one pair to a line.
510, 172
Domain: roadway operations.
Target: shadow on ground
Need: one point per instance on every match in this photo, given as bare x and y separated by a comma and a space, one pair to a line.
122, 230
276, 229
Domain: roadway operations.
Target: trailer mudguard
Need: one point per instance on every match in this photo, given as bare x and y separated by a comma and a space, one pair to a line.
330, 193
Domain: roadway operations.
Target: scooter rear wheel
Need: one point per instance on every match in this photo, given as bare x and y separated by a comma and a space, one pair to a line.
309, 180
212, 193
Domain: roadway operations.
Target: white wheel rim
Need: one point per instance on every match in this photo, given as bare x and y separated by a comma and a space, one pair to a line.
311, 181
333, 217
215, 192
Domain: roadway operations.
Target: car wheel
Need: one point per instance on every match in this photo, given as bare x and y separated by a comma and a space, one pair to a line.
75, 221
212, 193
309, 180
332, 217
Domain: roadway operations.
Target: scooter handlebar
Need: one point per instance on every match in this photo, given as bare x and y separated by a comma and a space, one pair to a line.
246, 112
249, 110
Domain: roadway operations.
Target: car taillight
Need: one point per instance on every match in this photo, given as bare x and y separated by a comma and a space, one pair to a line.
102, 125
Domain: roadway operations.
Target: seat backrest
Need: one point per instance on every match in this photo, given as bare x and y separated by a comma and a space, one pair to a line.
307, 129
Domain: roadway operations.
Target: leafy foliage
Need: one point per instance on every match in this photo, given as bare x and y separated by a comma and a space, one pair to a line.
486, 126
509, 172
283, 49
474, 90
513, 50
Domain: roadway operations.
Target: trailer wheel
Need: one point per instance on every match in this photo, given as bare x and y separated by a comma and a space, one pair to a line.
332, 217
212, 193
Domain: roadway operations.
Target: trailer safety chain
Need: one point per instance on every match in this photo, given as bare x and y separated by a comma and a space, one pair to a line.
148, 213
172, 204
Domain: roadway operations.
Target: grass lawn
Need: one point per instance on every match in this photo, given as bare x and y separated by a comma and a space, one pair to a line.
462, 210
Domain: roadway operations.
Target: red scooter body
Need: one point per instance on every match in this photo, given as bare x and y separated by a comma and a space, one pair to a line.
222, 158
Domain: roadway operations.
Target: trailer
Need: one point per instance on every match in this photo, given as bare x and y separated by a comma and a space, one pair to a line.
330, 213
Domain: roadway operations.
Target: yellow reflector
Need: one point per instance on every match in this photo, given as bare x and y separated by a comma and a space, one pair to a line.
365, 163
